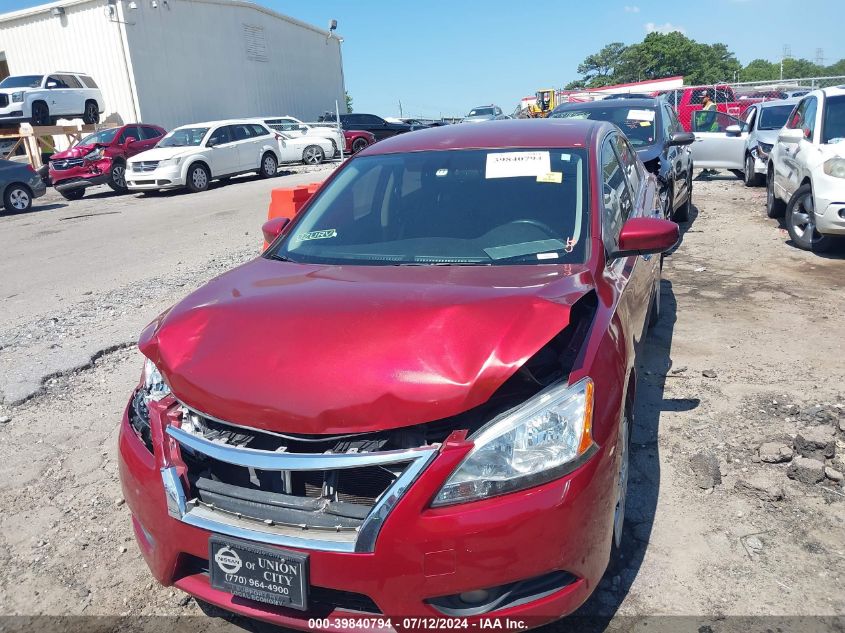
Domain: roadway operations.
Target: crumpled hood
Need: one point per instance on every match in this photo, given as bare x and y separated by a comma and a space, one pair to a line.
77, 151
335, 349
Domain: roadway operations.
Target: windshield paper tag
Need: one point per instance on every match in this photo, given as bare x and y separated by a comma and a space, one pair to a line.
641, 115
552, 176
317, 235
516, 164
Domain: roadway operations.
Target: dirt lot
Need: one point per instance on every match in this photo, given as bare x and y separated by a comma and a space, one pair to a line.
749, 350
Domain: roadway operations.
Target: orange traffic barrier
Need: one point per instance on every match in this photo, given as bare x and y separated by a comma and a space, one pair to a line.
286, 202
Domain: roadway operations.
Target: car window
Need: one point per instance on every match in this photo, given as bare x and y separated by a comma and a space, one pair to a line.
148, 133
70, 81
751, 118
616, 198
22, 81
630, 162
796, 115
129, 130
468, 207
666, 122
221, 135
371, 119
258, 130
241, 132
55, 82
673, 117
637, 123
773, 117
88, 81
808, 119
833, 125
283, 124
713, 121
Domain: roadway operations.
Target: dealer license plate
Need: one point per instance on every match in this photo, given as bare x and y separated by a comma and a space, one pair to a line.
260, 573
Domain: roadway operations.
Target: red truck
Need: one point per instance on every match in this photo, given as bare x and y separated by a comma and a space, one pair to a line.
688, 100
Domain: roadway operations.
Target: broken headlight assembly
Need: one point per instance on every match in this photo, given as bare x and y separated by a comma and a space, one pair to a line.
152, 388
543, 439
95, 154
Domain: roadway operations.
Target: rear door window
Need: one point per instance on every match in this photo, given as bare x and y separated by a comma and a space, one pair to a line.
88, 81
258, 130
148, 133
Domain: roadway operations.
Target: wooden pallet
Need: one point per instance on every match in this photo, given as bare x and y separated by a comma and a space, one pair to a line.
41, 139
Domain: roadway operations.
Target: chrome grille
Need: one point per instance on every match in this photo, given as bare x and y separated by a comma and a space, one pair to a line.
4, 100
143, 165
65, 163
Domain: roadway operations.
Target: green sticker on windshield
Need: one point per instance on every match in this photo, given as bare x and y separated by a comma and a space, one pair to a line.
317, 235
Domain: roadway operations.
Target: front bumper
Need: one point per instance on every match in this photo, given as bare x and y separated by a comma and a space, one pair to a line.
829, 204
169, 177
12, 113
420, 552
88, 174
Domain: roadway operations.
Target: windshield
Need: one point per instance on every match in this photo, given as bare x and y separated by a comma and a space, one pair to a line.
637, 123
22, 81
103, 137
481, 112
448, 207
833, 128
774, 117
184, 137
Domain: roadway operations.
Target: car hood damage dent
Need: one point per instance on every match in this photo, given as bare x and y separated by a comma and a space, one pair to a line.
328, 349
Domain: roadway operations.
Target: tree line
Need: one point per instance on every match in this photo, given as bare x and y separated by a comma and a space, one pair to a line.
669, 54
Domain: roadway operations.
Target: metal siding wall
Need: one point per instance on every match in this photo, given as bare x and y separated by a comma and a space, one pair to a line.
82, 40
190, 64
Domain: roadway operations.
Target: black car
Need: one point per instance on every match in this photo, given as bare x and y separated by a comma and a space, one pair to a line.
380, 128
652, 127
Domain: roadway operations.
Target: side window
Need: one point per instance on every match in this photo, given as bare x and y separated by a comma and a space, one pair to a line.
713, 121
149, 133
797, 115
130, 130
288, 125
89, 83
54, 82
371, 119
258, 130
221, 135
616, 199
751, 119
630, 163
70, 81
666, 121
240, 132
808, 120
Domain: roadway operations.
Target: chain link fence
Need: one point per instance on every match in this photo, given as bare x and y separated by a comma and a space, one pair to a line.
733, 99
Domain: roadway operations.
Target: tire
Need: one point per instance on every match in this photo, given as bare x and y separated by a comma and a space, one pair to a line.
40, 114
775, 207
358, 144
654, 313
73, 194
682, 212
117, 177
17, 198
801, 222
92, 113
751, 178
313, 155
625, 425
269, 165
198, 178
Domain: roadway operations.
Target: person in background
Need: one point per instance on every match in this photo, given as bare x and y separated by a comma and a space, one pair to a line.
707, 122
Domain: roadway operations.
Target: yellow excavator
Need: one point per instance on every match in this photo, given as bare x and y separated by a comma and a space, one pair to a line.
546, 102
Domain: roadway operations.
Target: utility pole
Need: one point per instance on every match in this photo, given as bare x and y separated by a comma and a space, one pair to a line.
819, 57
400, 108
787, 54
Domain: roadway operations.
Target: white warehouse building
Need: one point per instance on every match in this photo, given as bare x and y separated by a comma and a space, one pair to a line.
172, 62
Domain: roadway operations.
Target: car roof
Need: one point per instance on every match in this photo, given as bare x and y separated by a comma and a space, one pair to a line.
222, 122
505, 133
638, 102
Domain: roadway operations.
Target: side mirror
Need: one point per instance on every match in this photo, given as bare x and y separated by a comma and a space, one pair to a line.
646, 236
733, 130
129, 140
681, 138
790, 135
273, 229
210, 143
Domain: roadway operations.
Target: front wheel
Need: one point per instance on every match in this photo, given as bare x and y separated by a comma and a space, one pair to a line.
92, 113
358, 144
17, 198
801, 222
269, 166
751, 178
117, 178
40, 113
622, 480
198, 178
313, 155
682, 213
774, 205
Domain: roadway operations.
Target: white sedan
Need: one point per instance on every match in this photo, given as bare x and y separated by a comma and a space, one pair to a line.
310, 150
293, 127
193, 155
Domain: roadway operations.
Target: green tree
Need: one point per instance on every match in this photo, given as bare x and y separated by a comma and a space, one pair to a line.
800, 68
760, 70
599, 68
348, 101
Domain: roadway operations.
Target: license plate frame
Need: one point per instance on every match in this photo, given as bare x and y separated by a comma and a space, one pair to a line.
259, 572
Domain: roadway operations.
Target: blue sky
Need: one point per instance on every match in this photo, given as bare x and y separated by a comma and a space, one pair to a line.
446, 57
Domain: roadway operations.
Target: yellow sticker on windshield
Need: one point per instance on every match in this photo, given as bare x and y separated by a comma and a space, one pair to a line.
552, 176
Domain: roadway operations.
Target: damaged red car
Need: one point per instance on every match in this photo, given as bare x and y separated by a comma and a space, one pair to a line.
417, 403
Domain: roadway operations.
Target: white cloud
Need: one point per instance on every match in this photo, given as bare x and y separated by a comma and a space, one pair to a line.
668, 27
632, 9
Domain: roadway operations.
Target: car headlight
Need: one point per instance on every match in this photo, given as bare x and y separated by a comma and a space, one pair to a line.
154, 384
835, 167
95, 154
541, 440
153, 388
170, 162
17, 97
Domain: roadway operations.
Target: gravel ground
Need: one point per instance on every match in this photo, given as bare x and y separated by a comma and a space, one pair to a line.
741, 402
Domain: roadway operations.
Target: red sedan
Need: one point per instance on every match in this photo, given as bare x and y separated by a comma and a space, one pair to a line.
417, 403
356, 140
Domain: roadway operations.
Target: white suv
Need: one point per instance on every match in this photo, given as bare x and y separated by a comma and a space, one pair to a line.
42, 99
193, 155
806, 171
